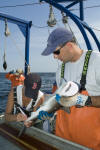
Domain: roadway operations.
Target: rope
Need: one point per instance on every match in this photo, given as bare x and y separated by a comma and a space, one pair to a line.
65, 22
74, 35
19, 50
5, 41
21, 5
48, 30
5, 47
36, 26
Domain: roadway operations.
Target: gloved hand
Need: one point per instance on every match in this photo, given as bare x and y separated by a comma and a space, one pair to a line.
70, 96
68, 89
44, 115
11, 72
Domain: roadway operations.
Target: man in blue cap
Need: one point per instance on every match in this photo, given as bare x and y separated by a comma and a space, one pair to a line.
81, 125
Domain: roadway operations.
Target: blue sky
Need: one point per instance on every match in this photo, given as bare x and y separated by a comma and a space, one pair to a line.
38, 14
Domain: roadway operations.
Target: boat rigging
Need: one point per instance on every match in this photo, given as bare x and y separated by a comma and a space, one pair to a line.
24, 27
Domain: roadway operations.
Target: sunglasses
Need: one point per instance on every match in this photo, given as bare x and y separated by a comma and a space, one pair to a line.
57, 52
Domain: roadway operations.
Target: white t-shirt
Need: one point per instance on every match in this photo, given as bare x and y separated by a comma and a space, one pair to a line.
73, 72
40, 94
19, 97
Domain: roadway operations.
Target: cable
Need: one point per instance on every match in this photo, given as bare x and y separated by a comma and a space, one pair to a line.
86, 7
95, 29
29, 4
57, 23
17, 47
21, 5
39, 26
35, 26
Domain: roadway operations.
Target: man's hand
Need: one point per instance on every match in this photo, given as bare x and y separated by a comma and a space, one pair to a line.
44, 115
70, 96
68, 89
77, 99
28, 124
21, 117
11, 72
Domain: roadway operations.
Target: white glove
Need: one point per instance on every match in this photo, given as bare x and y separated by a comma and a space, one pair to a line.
69, 95
68, 89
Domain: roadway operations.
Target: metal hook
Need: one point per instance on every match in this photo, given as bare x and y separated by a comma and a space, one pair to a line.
52, 21
7, 32
64, 18
4, 63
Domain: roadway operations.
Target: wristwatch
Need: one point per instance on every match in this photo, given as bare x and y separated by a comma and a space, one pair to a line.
88, 102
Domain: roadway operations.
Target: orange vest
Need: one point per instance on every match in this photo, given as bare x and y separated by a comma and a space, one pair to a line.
15, 80
81, 126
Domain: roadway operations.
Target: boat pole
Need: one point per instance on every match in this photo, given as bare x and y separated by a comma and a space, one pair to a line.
21, 131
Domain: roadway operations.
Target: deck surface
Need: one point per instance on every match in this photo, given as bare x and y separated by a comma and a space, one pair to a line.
5, 144
25, 142
32, 139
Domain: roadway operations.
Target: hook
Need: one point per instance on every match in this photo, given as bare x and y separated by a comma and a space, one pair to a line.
7, 32
4, 63
52, 21
64, 18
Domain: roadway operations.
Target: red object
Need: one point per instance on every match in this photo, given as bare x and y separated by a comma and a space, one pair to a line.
54, 88
15, 79
81, 126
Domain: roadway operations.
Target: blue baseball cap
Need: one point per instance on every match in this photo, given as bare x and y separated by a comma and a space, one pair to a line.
57, 37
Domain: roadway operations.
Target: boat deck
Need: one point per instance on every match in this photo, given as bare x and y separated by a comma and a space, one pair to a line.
32, 139
5, 144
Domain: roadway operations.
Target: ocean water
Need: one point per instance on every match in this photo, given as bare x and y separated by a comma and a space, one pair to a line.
5, 86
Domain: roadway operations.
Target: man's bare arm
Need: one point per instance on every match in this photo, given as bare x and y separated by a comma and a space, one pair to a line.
10, 104
95, 101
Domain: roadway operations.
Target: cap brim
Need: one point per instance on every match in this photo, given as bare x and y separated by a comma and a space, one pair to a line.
49, 50
31, 93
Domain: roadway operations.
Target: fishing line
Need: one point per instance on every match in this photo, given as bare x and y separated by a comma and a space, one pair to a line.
17, 47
